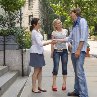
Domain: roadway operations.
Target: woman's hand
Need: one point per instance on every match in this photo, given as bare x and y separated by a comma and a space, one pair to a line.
59, 40
69, 47
54, 41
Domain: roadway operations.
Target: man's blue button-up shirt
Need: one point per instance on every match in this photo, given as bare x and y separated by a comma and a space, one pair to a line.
79, 33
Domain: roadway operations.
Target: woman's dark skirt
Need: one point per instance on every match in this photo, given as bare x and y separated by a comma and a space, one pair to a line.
36, 60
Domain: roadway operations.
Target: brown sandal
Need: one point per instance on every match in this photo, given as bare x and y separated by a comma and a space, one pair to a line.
36, 91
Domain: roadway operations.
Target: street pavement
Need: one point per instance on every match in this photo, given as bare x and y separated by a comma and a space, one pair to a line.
90, 66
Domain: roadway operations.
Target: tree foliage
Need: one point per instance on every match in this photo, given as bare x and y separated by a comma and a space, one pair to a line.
48, 16
10, 14
11, 5
9, 19
62, 8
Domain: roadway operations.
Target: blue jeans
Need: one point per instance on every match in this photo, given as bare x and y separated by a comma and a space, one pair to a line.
64, 61
80, 86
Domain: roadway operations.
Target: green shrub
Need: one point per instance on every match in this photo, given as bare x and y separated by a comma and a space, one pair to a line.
27, 39
23, 38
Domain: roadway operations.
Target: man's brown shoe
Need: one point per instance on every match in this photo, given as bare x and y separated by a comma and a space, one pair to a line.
72, 94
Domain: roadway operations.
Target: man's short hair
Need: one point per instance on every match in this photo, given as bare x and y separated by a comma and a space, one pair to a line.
77, 11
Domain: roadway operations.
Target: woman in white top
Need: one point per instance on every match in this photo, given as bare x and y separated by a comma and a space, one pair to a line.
59, 50
36, 55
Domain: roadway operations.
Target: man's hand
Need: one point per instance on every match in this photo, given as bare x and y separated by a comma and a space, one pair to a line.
77, 53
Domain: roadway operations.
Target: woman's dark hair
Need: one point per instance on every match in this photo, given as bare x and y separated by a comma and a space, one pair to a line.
34, 21
77, 11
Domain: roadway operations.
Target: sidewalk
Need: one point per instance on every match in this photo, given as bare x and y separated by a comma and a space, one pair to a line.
91, 74
93, 48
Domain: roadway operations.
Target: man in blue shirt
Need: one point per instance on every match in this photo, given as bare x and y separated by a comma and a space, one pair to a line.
78, 37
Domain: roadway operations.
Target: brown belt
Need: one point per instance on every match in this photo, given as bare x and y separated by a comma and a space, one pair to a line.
60, 50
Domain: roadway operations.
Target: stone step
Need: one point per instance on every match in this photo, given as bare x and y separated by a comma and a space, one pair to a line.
3, 70
6, 80
16, 88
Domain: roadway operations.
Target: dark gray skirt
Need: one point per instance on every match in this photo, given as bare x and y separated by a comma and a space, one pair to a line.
36, 60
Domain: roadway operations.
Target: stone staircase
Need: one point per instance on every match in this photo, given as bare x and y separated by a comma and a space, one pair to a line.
11, 84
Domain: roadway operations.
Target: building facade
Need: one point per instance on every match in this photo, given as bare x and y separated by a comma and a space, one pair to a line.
30, 9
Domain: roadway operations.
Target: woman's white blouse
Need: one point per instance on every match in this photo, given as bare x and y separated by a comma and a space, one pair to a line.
37, 42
